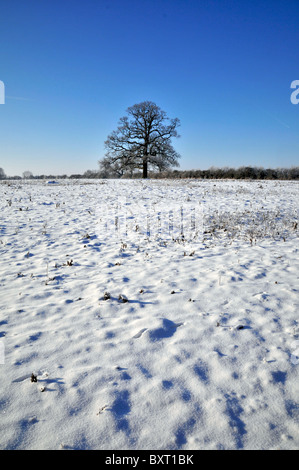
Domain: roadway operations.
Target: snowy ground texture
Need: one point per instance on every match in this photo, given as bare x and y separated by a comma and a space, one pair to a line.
141, 338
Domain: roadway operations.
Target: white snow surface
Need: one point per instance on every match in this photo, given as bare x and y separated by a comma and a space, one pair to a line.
195, 347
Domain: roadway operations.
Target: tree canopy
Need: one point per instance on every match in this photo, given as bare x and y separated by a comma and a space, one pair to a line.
141, 141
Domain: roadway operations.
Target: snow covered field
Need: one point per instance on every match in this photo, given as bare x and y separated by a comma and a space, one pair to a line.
145, 329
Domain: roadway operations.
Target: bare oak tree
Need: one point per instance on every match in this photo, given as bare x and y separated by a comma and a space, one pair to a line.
141, 141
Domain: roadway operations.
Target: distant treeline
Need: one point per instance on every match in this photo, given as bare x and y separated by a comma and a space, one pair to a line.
244, 172
251, 173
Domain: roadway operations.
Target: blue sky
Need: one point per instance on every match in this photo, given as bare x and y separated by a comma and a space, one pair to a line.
224, 68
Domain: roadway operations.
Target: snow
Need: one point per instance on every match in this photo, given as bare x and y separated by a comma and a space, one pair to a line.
141, 339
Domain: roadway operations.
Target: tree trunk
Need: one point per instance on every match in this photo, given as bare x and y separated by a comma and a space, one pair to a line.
144, 167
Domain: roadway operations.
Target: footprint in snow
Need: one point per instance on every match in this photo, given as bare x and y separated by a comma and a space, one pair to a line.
140, 333
167, 330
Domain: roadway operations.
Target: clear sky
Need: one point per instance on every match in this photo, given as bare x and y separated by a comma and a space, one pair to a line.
71, 68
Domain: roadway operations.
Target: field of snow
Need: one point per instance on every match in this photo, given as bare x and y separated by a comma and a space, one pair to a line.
152, 314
